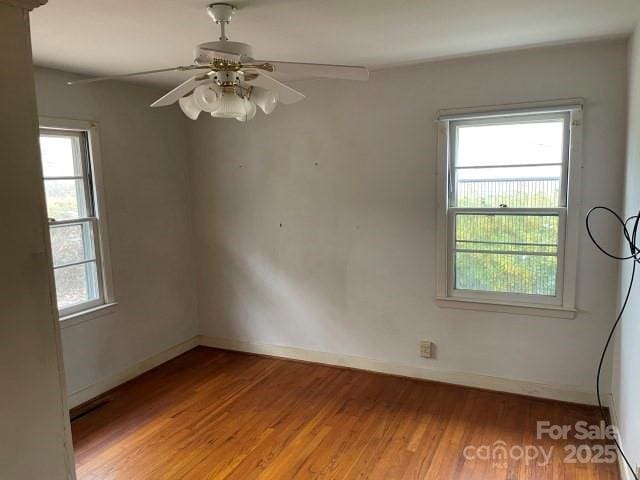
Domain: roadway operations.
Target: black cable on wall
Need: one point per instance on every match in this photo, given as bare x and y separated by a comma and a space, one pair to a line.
630, 236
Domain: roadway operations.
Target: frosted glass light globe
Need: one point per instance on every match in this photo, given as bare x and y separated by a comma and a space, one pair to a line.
250, 111
189, 107
230, 106
265, 99
207, 98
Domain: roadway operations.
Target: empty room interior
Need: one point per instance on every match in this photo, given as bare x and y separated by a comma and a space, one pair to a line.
298, 239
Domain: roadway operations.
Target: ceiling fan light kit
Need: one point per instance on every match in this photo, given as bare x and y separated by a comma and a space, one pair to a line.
233, 83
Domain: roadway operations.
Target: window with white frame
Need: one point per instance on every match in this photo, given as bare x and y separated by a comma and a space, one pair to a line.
506, 206
74, 222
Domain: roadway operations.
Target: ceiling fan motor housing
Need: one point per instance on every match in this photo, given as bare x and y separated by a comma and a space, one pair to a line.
207, 53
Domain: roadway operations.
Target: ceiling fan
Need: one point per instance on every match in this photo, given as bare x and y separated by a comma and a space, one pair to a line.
232, 83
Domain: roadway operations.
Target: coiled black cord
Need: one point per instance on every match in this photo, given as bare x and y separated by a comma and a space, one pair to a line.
634, 255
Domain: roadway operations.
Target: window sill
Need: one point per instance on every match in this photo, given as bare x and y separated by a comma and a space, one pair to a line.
86, 315
520, 309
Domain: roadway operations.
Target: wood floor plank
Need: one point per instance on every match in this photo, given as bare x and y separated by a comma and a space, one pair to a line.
214, 414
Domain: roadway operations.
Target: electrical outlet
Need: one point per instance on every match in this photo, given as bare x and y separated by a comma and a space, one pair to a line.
426, 349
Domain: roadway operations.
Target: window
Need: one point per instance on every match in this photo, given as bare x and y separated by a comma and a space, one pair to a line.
75, 226
507, 200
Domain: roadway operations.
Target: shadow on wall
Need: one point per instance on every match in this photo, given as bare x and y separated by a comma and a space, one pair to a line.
255, 300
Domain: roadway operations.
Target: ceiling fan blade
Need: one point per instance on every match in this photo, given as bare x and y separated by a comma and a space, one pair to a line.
285, 93
182, 68
180, 91
346, 72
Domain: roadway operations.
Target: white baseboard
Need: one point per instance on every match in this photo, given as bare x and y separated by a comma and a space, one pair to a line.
625, 473
554, 392
351, 361
80, 396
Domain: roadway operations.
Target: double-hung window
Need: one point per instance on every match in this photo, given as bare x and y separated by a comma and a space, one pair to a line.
507, 195
75, 223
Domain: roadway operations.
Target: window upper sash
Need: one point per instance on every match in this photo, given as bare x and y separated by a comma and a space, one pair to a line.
489, 181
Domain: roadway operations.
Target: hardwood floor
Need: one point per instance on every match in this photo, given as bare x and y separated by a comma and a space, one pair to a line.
213, 414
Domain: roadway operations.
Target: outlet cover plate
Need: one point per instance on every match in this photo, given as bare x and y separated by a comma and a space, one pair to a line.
425, 349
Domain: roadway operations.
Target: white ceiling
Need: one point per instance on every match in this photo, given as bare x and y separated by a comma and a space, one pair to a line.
117, 36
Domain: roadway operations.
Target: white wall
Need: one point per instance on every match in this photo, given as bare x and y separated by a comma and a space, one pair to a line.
315, 227
144, 165
34, 427
626, 382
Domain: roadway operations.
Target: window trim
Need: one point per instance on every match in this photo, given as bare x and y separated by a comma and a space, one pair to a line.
93, 184
559, 306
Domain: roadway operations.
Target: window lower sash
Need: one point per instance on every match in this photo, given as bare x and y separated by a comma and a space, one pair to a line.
507, 297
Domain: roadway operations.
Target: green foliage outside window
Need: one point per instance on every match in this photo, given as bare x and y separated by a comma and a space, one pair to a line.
513, 253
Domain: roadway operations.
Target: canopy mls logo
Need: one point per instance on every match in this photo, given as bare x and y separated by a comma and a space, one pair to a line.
587, 443
500, 454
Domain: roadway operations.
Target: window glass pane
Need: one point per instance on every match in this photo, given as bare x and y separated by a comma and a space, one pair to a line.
60, 156
510, 144
65, 199
494, 164
514, 187
506, 253
501, 273
76, 284
72, 243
